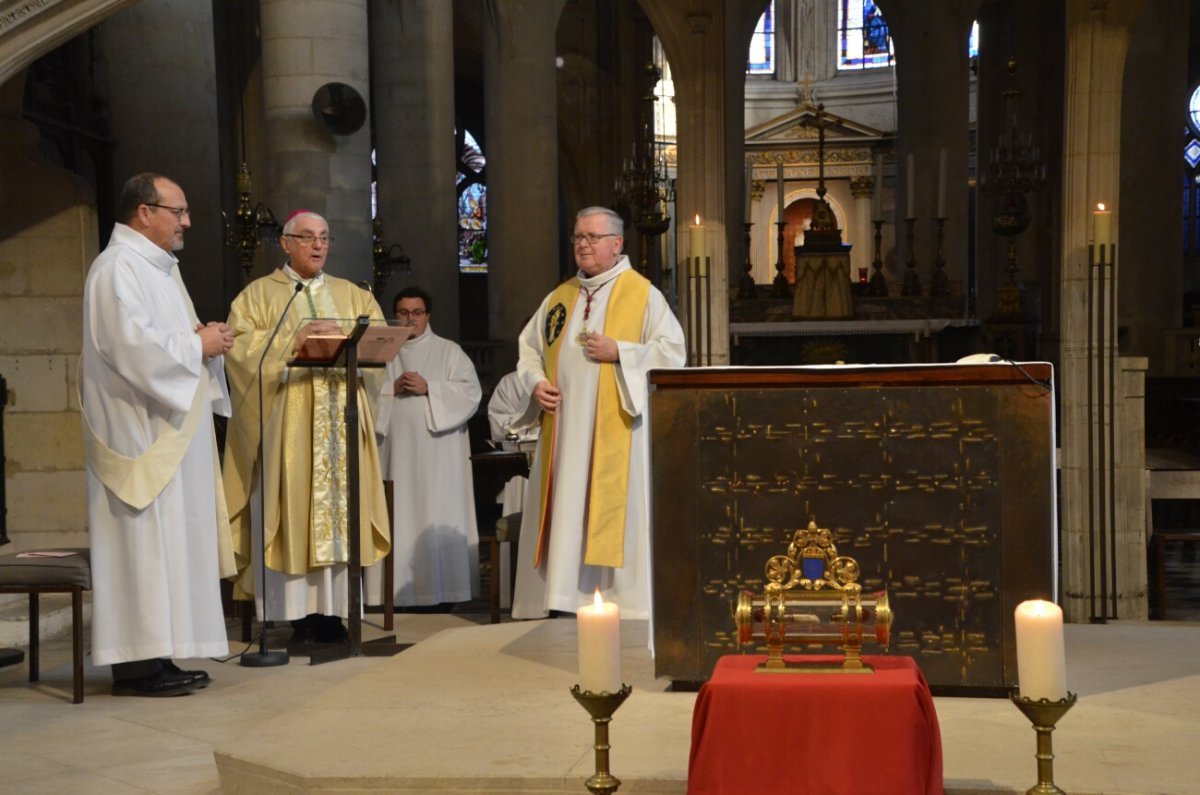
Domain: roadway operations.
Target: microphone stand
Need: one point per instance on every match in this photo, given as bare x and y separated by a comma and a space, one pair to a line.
263, 658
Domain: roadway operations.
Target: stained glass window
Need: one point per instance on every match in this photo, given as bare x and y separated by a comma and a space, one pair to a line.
761, 60
472, 207
864, 41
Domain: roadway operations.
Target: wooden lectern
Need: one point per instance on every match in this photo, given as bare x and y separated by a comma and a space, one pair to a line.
366, 345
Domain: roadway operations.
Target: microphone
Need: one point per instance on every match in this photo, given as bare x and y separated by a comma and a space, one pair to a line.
263, 658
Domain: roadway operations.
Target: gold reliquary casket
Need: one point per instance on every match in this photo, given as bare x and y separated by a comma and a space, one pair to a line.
812, 597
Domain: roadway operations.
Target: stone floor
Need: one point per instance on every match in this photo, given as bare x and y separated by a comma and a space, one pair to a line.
478, 708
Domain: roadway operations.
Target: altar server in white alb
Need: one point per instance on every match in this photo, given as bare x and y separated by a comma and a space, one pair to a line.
152, 377
585, 356
430, 394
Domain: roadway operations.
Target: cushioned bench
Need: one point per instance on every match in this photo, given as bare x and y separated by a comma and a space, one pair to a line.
35, 576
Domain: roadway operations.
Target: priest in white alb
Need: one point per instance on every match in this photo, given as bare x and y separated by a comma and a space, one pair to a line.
152, 376
430, 393
585, 355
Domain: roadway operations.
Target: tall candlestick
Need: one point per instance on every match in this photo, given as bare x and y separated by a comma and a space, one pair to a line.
779, 185
696, 247
749, 186
941, 197
1102, 226
1041, 661
910, 178
599, 626
877, 191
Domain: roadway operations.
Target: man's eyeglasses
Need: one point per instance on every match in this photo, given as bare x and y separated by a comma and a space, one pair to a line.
308, 240
414, 313
179, 211
590, 238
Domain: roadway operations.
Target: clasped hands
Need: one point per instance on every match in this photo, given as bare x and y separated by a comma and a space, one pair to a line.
216, 338
410, 382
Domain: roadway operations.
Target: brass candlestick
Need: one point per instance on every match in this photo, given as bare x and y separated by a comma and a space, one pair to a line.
780, 287
939, 282
912, 282
1043, 714
601, 707
746, 288
878, 285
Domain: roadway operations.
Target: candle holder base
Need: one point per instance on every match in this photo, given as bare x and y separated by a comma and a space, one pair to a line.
601, 707
1044, 714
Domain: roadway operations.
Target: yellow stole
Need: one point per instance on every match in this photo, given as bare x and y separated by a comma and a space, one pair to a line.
612, 436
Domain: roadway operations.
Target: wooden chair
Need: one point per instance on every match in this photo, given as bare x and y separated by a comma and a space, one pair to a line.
35, 576
508, 529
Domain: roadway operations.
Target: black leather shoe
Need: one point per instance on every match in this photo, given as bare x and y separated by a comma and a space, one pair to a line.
201, 678
330, 629
159, 685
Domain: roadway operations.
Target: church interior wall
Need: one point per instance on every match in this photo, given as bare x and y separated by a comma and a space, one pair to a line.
47, 238
170, 111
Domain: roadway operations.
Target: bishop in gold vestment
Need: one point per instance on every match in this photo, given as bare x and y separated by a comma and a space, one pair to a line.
304, 436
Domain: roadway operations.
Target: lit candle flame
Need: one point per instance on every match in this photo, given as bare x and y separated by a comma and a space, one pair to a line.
697, 219
597, 601
1100, 206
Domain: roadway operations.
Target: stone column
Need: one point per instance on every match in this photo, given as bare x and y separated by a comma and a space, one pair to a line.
413, 81
931, 43
706, 43
862, 236
521, 113
168, 124
1097, 42
304, 46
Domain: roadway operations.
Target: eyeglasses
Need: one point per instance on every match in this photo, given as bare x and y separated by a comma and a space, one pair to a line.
178, 211
414, 313
590, 238
308, 240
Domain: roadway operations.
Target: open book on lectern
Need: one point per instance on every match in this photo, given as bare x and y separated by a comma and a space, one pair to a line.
321, 342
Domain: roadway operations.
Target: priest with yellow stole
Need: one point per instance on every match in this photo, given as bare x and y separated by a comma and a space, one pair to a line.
584, 356
304, 441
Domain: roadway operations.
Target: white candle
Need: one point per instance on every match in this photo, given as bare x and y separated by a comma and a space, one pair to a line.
941, 199
1102, 227
696, 247
779, 185
599, 626
910, 178
877, 192
749, 185
1041, 661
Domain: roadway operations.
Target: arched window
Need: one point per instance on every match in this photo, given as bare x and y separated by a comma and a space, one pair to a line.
761, 60
472, 206
864, 41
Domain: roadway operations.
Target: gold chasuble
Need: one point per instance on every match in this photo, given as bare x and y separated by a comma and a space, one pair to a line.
305, 436
608, 480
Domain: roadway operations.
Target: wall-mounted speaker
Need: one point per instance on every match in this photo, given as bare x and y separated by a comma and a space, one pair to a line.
339, 109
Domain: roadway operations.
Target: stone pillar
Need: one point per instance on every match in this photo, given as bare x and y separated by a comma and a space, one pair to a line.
706, 43
521, 113
168, 124
1151, 202
413, 78
862, 236
931, 45
1097, 42
304, 46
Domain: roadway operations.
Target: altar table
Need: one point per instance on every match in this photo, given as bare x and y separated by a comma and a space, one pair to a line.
818, 733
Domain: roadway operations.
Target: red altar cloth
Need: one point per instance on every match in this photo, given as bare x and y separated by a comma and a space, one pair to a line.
859, 734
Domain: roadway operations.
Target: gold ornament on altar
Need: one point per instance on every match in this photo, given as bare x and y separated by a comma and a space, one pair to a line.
813, 597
